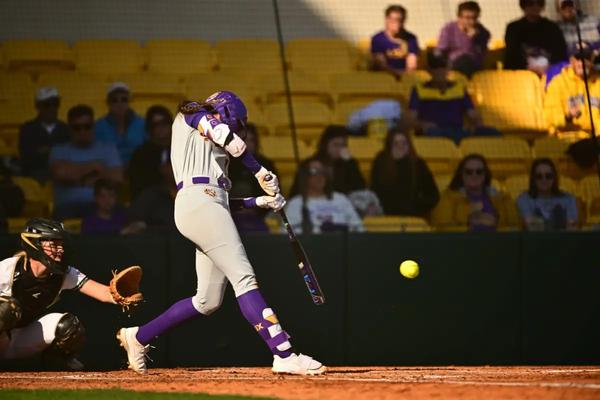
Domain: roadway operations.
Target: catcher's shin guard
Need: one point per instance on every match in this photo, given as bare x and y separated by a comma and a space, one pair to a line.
10, 313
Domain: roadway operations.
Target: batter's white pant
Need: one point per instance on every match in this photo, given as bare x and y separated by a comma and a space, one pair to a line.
31, 339
202, 215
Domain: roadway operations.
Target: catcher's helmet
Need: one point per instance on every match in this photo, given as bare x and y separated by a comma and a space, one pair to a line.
231, 109
38, 230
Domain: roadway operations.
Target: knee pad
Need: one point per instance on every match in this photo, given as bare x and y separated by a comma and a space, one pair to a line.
206, 306
69, 336
10, 313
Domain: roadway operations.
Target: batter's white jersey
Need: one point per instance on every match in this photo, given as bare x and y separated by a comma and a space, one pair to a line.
195, 155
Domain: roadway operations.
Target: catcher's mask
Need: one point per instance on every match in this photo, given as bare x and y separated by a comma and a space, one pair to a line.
39, 230
231, 109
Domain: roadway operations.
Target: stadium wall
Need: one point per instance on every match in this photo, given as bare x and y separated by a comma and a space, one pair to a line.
72, 20
509, 298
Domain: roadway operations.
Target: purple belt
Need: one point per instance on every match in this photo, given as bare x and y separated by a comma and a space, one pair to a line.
223, 182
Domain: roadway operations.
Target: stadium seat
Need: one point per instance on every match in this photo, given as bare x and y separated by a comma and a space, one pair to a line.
311, 118
363, 86
320, 55
179, 56
550, 147
303, 87
16, 87
35, 198
16, 225
494, 55
410, 78
200, 86
505, 156
442, 181
77, 88
35, 56
516, 184
363, 53
364, 150
281, 151
510, 101
72, 225
108, 57
12, 116
388, 223
248, 56
342, 111
441, 154
140, 106
152, 86
589, 188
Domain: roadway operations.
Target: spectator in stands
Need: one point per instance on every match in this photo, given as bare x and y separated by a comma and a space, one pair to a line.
395, 49
589, 26
75, 166
465, 40
144, 167
108, 216
533, 42
246, 185
401, 179
471, 202
438, 107
317, 208
544, 206
565, 107
154, 208
121, 126
40, 134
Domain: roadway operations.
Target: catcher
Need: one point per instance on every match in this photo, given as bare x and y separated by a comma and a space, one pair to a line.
31, 281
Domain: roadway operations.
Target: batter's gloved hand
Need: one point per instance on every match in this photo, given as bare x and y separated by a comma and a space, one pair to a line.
275, 203
268, 181
125, 287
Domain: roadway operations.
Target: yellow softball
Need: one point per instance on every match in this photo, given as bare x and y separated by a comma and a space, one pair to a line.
409, 269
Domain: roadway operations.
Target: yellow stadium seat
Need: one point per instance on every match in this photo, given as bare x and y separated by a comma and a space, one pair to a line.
248, 55
364, 150
516, 184
320, 55
77, 88
2, 60
16, 87
179, 56
442, 181
509, 100
303, 87
505, 156
200, 86
35, 199
311, 118
550, 147
37, 55
364, 86
410, 78
441, 154
157, 87
363, 53
388, 223
140, 106
17, 225
12, 116
108, 57
281, 150
343, 110
589, 188
72, 225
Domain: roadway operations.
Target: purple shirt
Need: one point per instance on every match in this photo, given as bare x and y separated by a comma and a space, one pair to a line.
446, 110
94, 224
487, 207
456, 43
395, 50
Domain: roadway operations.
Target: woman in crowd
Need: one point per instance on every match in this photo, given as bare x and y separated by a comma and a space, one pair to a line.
318, 208
544, 206
401, 179
470, 202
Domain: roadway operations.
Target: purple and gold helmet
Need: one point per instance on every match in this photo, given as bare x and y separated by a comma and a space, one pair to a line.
231, 109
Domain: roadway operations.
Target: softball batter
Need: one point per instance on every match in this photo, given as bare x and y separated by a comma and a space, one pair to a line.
204, 135
30, 282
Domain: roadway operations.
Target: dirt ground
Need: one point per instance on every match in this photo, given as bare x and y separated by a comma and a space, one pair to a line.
341, 383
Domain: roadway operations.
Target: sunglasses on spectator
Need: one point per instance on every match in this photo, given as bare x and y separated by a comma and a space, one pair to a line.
119, 99
316, 171
473, 171
81, 127
547, 176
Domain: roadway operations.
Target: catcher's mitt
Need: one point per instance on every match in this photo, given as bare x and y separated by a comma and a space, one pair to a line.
125, 287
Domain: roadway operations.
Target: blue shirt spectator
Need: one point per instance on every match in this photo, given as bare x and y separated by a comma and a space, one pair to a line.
37, 136
121, 126
394, 49
76, 166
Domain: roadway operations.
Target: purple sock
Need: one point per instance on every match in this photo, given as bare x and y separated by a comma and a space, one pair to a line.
264, 320
175, 315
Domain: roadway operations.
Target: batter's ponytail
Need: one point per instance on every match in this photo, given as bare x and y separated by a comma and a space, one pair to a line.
192, 107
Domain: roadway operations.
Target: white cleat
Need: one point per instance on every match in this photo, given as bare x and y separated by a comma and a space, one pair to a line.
297, 364
136, 352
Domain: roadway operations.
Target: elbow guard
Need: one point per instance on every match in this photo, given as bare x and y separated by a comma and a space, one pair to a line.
215, 129
235, 145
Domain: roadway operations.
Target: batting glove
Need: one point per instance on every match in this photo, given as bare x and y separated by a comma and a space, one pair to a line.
270, 186
275, 203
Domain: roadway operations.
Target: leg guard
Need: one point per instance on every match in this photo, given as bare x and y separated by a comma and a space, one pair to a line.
70, 335
10, 313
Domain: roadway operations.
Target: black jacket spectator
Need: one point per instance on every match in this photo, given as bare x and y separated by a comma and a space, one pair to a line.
402, 181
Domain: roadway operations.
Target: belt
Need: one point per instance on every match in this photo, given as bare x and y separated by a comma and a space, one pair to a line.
223, 182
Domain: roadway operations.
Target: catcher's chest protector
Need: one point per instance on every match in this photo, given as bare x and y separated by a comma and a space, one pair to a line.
34, 294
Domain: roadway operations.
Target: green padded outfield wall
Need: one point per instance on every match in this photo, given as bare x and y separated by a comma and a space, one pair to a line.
510, 298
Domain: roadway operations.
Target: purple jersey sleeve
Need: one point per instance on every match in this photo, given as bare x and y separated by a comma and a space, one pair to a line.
237, 204
247, 158
413, 103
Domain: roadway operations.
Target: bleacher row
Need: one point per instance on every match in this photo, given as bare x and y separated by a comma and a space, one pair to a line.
328, 81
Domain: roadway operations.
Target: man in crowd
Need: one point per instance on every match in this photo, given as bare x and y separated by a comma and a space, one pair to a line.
40, 134
589, 26
394, 49
121, 127
76, 165
533, 42
465, 40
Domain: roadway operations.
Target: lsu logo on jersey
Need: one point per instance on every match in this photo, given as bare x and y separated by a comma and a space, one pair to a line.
210, 192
